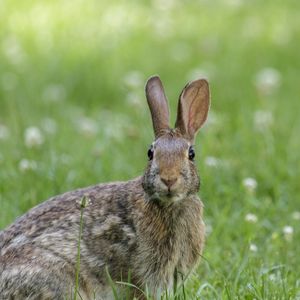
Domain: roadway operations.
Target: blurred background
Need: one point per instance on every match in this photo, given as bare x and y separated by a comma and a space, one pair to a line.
73, 113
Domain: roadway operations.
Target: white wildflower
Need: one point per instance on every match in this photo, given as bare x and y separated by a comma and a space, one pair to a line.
267, 80
33, 137
114, 131
163, 27
253, 248
234, 3
208, 229
211, 161
27, 165
251, 218
212, 119
288, 232
165, 5
54, 93
263, 119
134, 100
13, 50
117, 18
296, 215
272, 277
250, 184
134, 79
87, 127
4, 132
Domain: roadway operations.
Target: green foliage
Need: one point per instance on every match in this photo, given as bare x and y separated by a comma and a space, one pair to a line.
75, 72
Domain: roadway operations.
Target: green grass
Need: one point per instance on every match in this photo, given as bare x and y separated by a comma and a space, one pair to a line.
76, 70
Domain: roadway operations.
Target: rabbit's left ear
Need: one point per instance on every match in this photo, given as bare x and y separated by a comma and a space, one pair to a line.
158, 105
193, 108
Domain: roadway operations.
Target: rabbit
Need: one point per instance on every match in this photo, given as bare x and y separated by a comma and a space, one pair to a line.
144, 231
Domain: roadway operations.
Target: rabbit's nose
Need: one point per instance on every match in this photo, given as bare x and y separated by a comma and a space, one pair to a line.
168, 182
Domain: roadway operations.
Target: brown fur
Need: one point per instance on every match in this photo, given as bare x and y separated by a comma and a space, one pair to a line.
145, 229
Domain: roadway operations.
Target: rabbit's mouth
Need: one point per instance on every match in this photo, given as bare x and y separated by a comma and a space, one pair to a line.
167, 197
169, 194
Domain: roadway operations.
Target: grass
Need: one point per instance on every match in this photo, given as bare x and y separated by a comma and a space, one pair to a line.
76, 70
83, 204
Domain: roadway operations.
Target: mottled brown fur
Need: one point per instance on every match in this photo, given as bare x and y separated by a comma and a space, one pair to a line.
145, 229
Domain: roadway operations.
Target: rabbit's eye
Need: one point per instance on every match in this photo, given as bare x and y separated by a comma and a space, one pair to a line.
150, 153
191, 153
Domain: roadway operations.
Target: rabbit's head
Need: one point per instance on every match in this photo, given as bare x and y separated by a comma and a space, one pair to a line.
171, 174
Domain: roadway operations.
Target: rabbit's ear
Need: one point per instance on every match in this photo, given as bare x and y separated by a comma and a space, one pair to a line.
158, 105
193, 108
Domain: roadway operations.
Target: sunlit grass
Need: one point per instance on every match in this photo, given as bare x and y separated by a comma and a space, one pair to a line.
75, 71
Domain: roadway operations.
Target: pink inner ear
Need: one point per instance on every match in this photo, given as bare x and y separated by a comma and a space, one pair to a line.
193, 108
191, 116
198, 110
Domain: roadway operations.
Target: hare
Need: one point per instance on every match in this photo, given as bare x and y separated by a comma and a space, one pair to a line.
144, 230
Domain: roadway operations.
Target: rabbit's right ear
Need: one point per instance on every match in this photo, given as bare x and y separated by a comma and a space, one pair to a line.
193, 108
158, 105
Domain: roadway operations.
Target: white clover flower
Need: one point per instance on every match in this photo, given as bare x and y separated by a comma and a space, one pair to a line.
211, 161
13, 50
234, 3
253, 248
250, 184
166, 5
27, 165
263, 119
4, 132
117, 18
54, 93
212, 119
163, 27
272, 277
267, 80
87, 127
134, 100
208, 229
288, 232
134, 79
114, 131
251, 218
296, 215
33, 137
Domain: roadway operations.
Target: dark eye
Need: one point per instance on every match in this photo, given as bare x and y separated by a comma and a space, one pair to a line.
191, 153
150, 153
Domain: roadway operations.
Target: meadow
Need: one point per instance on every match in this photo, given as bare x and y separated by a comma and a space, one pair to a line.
73, 113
